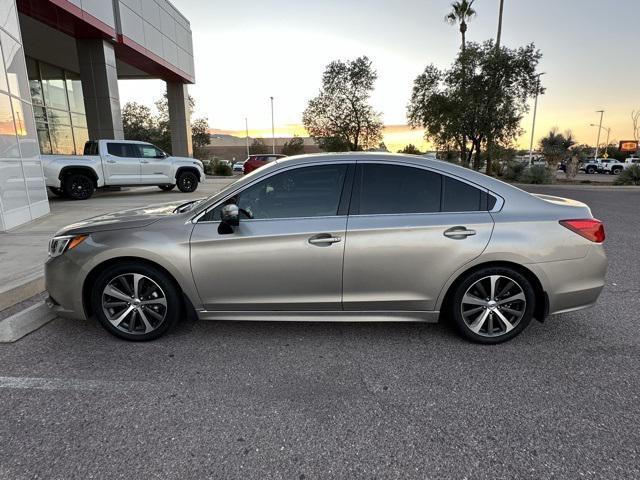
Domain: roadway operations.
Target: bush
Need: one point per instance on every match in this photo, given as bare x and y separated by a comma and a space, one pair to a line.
513, 170
222, 169
537, 175
629, 176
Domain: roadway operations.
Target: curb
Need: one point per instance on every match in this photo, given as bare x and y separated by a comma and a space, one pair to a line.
14, 294
18, 325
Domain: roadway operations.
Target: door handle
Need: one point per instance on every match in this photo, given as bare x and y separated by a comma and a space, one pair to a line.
144, 161
110, 161
459, 233
324, 239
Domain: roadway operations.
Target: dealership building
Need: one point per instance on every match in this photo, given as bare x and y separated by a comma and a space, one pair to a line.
60, 63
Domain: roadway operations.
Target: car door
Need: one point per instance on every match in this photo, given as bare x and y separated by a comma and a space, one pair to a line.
408, 231
288, 255
121, 164
155, 166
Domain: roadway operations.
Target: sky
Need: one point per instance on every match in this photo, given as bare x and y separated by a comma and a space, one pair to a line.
248, 50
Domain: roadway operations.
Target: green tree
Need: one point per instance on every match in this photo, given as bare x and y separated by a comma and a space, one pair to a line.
461, 12
333, 144
293, 146
139, 123
164, 132
555, 147
341, 114
410, 149
258, 147
452, 105
200, 136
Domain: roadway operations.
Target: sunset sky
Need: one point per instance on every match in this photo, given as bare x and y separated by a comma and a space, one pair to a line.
249, 50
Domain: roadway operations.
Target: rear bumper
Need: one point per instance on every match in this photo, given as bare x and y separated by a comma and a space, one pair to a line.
573, 284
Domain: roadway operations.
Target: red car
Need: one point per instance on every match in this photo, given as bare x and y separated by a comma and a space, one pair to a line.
256, 161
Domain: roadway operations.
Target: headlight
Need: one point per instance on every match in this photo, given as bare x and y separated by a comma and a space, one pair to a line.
59, 245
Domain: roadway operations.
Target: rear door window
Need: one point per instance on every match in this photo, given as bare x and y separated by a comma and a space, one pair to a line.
459, 196
122, 150
387, 189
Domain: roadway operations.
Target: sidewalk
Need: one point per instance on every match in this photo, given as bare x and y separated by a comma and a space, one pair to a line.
23, 250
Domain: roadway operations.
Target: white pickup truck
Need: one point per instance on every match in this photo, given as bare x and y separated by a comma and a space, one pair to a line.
119, 163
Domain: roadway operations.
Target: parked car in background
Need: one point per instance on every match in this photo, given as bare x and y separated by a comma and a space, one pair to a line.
119, 163
349, 237
238, 167
256, 161
631, 161
591, 166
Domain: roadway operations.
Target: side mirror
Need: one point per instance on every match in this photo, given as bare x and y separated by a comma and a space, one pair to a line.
230, 215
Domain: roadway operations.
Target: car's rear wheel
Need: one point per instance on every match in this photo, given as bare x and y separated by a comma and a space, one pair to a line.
58, 192
136, 301
493, 305
166, 188
187, 182
78, 186
591, 170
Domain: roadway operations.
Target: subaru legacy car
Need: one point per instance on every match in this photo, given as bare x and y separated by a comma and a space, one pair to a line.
336, 237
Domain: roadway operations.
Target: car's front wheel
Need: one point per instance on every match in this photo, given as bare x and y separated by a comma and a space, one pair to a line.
187, 182
135, 301
493, 304
616, 170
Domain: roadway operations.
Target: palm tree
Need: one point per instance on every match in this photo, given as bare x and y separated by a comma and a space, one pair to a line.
555, 147
461, 12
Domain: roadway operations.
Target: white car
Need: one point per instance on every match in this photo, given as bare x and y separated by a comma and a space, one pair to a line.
119, 163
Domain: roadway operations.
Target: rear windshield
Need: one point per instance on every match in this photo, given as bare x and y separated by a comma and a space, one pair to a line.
91, 148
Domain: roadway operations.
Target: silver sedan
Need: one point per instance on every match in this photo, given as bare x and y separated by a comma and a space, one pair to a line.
337, 237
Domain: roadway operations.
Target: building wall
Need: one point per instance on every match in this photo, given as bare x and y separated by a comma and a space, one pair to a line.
159, 28
23, 194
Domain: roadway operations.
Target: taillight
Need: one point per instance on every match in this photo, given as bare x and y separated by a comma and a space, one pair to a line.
590, 228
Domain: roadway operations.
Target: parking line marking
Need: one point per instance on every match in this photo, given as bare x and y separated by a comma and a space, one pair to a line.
37, 383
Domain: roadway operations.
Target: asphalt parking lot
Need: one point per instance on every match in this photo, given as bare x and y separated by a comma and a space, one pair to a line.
306, 401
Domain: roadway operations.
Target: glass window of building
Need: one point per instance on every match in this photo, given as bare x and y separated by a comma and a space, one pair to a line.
61, 122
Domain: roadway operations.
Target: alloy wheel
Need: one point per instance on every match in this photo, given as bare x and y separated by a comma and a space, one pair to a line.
493, 306
134, 303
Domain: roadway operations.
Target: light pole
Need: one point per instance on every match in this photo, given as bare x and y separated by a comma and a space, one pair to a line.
499, 37
273, 130
535, 112
246, 127
608, 130
601, 112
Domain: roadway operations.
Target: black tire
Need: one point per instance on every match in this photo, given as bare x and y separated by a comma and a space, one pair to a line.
78, 186
166, 188
499, 332
132, 329
591, 170
616, 170
58, 192
187, 182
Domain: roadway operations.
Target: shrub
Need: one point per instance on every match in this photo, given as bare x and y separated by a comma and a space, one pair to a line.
513, 170
537, 175
222, 169
629, 176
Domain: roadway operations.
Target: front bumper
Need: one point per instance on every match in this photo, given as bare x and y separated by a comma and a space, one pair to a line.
63, 280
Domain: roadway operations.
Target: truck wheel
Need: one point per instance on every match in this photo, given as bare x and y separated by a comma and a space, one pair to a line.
187, 182
166, 188
78, 186
58, 192
591, 170
616, 170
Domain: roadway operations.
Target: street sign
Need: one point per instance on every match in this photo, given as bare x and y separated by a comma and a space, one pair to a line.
629, 146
